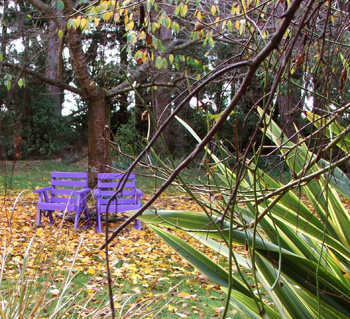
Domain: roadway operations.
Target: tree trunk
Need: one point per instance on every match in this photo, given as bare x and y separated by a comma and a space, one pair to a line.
98, 110
163, 96
51, 71
141, 121
289, 107
120, 116
98, 130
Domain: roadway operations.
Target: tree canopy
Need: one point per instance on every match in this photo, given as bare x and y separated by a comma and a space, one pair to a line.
126, 58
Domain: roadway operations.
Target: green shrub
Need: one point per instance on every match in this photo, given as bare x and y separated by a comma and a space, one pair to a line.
129, 140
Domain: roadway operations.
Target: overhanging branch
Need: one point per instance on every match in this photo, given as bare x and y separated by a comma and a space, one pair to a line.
124, 89
42, 78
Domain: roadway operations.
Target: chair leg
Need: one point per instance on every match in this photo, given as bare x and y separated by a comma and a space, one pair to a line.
38, 219
87, 216
137, 224
98, 222
77, 217
49, 212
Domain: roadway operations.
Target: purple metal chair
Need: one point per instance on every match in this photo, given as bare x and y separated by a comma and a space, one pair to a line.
69, 192
128, 199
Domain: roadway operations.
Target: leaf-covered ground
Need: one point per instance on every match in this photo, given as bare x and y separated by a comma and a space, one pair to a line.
149, 278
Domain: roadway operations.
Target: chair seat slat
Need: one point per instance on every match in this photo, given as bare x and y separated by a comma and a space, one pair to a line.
64, 200
68, 183
84, 176
67, 192
115, 185
110, 193
57, 206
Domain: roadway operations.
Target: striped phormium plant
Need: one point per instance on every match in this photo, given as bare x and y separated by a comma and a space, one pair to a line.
294, 236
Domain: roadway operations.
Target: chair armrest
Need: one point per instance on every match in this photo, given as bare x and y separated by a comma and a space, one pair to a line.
139, 192
82, 191
97, 193
42, 190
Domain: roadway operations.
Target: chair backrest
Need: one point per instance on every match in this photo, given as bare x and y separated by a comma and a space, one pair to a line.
108, 183
64, 183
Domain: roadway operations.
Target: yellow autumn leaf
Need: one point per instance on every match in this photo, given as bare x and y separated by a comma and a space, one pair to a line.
117, 305
107, 15
171, 308
89, 291
77, 22
85, 260
144, 57
117, 17
213, 10
104, 5
242, 25
244, 5
183, 295
184, 10
83, 23
133, 39
91, 271
229, 25
142, 35
223, 25
40, 232
237, 24
129, 26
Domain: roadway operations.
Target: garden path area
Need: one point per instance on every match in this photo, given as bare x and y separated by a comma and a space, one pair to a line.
150, 280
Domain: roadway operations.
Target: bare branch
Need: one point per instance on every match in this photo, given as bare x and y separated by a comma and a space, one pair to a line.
252, 68
42, 78
137, 73
51, 13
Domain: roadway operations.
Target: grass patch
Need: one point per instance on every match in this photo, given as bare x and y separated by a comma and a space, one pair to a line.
32, 174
